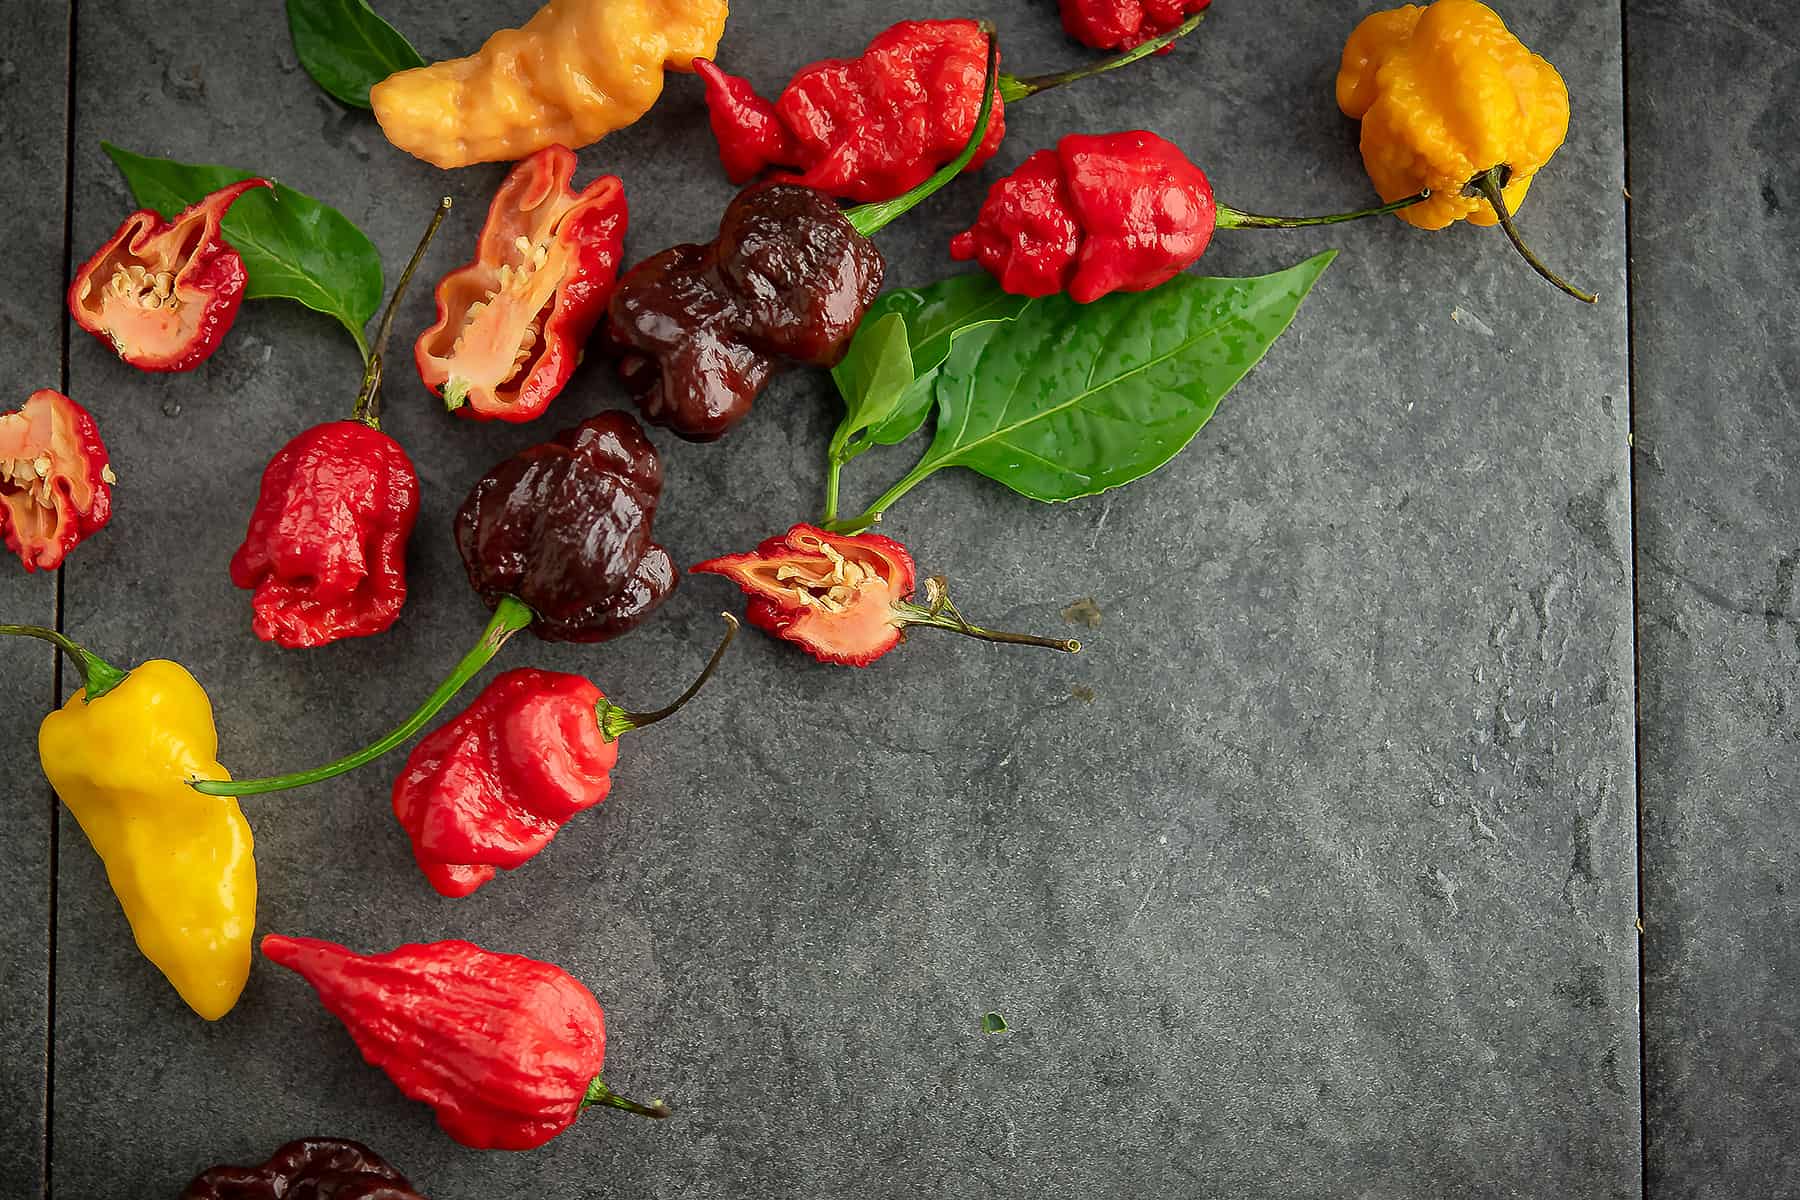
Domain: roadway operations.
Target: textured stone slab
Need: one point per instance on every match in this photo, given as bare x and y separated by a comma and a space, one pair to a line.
34, 42
1314, 874
1718, 507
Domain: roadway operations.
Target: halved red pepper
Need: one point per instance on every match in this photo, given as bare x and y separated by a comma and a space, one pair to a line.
55, 482
511, 323
162, 294
845, 598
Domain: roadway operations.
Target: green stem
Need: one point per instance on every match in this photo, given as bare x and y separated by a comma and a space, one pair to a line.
1013, 88
941, 614
615, 721
1492, 183
872, 514
1231, 218
599, 1094
510, 616
834, 473
98, 676
368, 399
867, 219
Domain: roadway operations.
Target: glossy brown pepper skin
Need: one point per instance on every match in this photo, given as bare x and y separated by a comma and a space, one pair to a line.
699, 330
309, 1169
565, 527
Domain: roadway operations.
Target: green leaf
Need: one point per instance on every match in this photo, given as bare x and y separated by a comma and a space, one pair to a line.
294, 247
871, 377
1068, 400
993, 1023
347, 48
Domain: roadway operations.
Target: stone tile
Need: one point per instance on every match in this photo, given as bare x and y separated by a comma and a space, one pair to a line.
1329, 886
1718, 502
33, 110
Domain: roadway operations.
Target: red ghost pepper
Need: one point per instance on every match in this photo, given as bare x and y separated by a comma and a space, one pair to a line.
1122, 24
160, 293
325, 554
55, 480
511, 323
507, 1049
489, 789
845, 598
1101, 213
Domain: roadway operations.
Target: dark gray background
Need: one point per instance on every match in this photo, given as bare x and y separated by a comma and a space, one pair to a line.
1317, 873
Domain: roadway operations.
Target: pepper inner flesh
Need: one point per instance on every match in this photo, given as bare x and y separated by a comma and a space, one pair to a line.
831, 585
501, 336
140, 299
33, 443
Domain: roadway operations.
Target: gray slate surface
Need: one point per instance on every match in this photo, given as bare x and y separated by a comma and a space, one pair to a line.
1329, 889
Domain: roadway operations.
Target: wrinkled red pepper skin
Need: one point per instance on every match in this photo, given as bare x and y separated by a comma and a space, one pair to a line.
488, 789
1116, 212
511, 323
794, 580
866, 128
55, 479
325, 554
502, 1046
159, 324
1122, 24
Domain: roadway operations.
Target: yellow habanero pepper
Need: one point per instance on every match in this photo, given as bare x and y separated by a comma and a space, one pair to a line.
1450, 100
578, 70
120, 754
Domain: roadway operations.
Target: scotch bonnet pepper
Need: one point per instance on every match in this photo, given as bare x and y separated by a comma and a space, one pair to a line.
871, 127
307, 1169
575, 72
846, 598
507, 1049
55, 479
488, 789
1115, 212
121, 754
1451, 101
162, 294
511, 323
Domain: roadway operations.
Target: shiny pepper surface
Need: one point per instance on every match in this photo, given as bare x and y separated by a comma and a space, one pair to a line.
325, 554
55, 479
578, 70
511, 324
1445, 93
864, 128
700, 330
1118, 212
507, 1049
180, 863
490, 788
1122, 24
308, 1169
162, 294
565, 527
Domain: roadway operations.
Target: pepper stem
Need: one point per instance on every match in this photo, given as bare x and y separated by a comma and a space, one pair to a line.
1013, 88
866, 219
368, 400
510, 616
1231, 218
599, 1093
98, 676
940, 613
1491, 184
615, 720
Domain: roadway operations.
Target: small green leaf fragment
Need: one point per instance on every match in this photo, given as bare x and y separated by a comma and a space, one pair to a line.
347, 48
993, 1022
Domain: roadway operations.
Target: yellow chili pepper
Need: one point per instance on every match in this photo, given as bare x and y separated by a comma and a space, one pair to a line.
1450, 100
578, 70
120, 754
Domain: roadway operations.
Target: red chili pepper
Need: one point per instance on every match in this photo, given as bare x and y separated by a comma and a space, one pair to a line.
871, 127
1122, 24
507, 1049
55, 480
1114, 212
511, 323
489, 789
162, 294
325, 554
845, 598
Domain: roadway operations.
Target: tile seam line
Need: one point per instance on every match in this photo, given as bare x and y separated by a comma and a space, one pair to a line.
1637, 646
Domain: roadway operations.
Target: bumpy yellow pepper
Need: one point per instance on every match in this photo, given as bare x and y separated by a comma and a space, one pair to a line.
575, 72
1450, 100
120, 754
